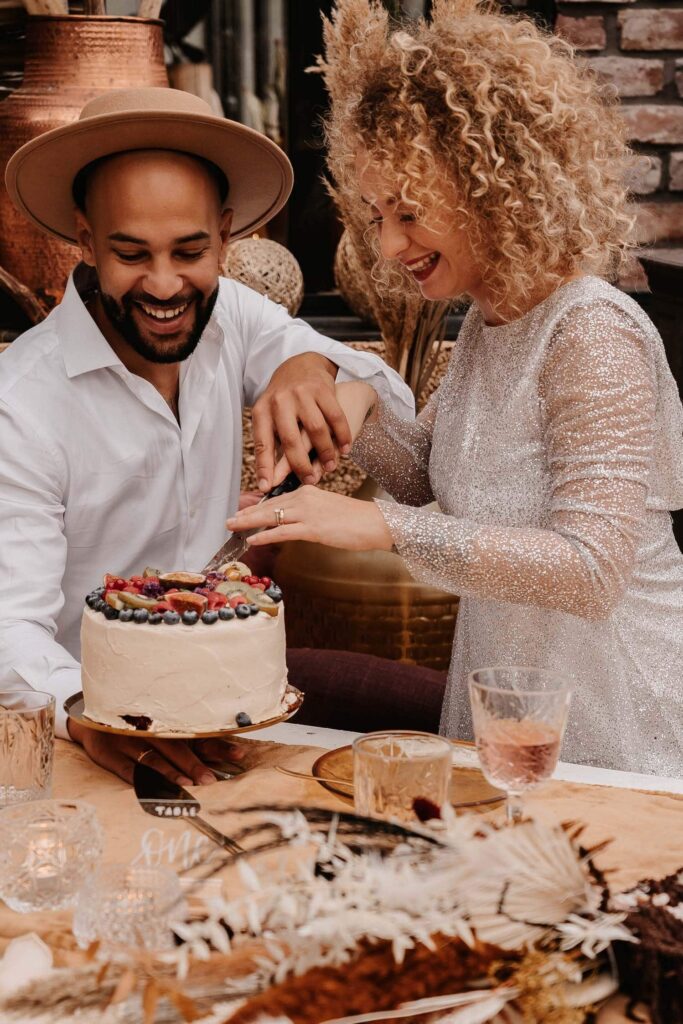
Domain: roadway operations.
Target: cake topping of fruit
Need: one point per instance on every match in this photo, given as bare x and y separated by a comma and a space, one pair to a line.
188, 597
182, 579
186, 601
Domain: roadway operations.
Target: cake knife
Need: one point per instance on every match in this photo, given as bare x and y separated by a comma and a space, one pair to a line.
234, 548
163, 798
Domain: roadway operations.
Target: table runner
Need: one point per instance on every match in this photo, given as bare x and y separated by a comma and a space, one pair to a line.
646, 829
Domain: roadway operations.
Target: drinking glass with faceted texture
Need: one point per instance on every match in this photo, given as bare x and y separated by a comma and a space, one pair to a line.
125, 907
519, 717
47, 850
27, 739
394, 769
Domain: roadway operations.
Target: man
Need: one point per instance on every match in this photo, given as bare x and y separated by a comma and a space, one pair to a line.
120, 414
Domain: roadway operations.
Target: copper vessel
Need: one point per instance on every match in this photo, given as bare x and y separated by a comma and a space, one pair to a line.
69, 61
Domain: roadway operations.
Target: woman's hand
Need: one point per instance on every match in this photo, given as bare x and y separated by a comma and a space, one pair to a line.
315, 515
358, 401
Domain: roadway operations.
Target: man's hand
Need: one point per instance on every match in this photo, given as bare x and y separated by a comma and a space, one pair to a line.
301, 396
358, 402
175, 759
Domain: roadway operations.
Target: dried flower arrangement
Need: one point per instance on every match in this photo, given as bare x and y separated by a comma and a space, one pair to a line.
510, 925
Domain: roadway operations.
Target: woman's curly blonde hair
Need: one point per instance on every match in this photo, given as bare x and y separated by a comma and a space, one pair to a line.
486, 120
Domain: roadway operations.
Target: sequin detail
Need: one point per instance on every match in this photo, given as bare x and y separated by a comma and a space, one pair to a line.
554, 448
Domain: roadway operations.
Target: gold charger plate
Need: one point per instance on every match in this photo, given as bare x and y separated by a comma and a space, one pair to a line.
75, 707
469, 788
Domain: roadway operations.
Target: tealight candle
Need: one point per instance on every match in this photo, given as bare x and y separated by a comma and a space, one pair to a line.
49, 848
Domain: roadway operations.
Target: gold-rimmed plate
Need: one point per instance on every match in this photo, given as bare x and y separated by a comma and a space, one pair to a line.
75, 709
469, 788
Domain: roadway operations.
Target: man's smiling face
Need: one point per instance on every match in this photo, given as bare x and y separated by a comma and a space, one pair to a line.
154, 231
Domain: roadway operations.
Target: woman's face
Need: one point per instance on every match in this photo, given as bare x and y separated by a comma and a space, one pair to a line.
442, 262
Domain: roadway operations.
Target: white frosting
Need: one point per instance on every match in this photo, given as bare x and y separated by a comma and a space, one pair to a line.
185, 678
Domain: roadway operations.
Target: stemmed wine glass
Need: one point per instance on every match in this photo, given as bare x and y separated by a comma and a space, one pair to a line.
519, 717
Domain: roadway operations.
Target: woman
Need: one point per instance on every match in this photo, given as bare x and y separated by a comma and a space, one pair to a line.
490, 165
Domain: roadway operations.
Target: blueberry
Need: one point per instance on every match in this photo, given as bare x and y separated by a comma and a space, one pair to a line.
170, 618
109, 612
99, 605
98, 591
90, 599
253, 609
126, 615
209, 618
275, 593
225, 614
189, 618
242, 611
242, 718
154, 619
140, 615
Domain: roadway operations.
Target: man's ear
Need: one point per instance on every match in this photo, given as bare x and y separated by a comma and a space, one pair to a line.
84, 238
224, 231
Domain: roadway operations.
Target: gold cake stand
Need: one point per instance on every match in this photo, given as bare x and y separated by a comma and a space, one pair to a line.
75, 709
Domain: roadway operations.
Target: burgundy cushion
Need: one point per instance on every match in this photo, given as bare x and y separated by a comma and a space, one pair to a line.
359, 692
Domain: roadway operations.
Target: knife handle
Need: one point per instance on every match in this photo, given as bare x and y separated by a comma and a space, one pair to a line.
291, 481
214, 835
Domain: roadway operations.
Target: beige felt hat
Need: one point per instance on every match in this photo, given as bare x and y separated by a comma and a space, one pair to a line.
40, 175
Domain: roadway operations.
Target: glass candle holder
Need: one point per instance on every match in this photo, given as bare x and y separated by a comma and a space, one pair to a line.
27, 740
125, 908
47, 850
394, 769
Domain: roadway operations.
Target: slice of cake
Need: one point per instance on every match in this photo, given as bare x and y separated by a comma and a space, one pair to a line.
184, 652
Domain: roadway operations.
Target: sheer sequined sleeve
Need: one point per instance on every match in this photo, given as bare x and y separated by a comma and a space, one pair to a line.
396, 452
598, 398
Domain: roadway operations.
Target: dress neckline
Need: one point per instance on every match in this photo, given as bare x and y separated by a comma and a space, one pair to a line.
512, 327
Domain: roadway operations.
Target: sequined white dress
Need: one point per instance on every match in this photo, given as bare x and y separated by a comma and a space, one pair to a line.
554, 447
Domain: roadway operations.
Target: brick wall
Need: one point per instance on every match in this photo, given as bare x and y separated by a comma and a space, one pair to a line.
638, 47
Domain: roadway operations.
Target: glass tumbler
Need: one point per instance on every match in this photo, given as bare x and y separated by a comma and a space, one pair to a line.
519, 716
27, 740
126, 907
395, 769
47, 850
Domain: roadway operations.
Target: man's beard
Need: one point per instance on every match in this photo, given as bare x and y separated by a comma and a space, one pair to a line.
121, 317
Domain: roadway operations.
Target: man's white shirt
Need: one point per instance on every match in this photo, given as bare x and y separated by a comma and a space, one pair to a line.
96, 474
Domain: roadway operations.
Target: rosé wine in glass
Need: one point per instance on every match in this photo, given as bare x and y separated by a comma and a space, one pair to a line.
519, 716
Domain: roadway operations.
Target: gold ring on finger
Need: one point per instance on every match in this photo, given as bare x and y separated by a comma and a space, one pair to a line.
140, 757
279, 517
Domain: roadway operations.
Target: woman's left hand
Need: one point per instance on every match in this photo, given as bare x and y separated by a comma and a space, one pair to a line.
319, 516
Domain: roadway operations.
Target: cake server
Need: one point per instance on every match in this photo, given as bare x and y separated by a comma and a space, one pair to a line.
234, 548
162, 798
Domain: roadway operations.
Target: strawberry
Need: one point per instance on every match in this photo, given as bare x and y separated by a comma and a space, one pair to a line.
112, 582
163, 606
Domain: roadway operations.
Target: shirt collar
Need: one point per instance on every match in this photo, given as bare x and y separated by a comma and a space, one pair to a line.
84, 347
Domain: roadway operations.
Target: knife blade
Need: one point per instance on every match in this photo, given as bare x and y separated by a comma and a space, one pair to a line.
162, 798
234, 548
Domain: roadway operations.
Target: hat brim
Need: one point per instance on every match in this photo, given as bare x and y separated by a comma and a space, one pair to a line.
40, 175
